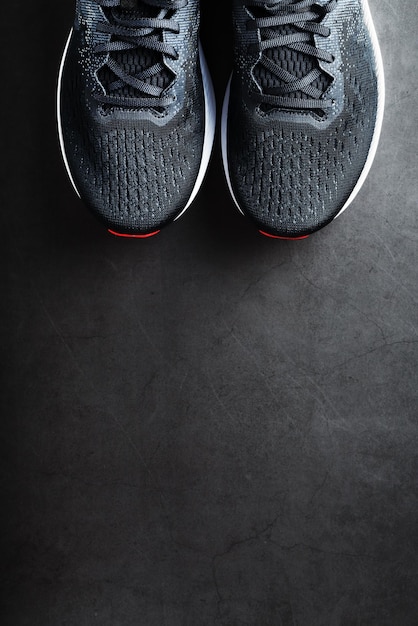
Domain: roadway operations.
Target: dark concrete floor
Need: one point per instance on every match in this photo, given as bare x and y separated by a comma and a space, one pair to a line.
208, 427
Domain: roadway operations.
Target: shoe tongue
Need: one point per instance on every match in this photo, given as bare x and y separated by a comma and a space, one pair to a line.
138, 59
136, 8
293, 61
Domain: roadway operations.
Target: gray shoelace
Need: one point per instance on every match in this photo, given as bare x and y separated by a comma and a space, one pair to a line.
288, 27
133, 32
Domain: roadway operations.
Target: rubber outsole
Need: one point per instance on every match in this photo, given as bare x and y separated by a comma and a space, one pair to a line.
129, 236
270, 236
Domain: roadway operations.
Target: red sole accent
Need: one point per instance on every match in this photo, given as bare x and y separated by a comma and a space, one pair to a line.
112, 232
284, 238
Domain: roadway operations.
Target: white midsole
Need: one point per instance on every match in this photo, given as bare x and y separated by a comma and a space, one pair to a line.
210, 122
59, 120
224, 143
377, 130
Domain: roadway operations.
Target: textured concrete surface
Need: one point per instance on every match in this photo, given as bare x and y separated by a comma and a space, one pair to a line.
207, 427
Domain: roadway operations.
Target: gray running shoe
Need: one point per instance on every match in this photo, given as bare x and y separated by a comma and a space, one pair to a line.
136, 111
303, 111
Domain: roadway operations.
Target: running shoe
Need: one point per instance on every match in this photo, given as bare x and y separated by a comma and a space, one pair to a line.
136, 112
303, 111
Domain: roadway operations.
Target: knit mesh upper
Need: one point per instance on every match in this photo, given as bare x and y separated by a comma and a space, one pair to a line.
140, 176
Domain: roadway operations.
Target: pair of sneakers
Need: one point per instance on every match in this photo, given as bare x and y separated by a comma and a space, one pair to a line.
300, 124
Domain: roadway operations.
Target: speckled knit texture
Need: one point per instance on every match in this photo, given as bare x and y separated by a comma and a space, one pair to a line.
135, 168
292, 172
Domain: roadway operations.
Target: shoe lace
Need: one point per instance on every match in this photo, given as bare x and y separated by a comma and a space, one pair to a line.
288, 72
134, 74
